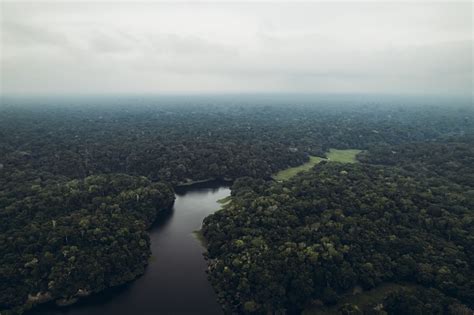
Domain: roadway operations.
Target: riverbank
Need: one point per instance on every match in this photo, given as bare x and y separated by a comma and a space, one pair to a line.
203, 181
176, 271
224, 202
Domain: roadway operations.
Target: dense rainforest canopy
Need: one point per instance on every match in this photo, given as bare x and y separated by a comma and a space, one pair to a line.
80, 185
180, 143
66, 239
283, 246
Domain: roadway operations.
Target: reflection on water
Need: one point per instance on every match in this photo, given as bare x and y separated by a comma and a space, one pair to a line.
175, 281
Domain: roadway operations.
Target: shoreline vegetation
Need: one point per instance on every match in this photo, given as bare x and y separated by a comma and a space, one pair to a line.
333, 155
200, 238
190, 182
226, 201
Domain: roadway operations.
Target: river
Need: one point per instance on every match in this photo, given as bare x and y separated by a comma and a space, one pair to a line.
175, 281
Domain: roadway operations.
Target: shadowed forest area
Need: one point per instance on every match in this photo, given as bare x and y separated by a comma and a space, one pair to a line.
79, 186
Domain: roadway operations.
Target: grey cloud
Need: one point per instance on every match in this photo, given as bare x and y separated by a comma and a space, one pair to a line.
185, 45
284, 47
21, 34
116, 43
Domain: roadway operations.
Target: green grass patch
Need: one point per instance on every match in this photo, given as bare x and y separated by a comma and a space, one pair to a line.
225, 200
334, 155
152, 259
292, 171
200, 237
343, 156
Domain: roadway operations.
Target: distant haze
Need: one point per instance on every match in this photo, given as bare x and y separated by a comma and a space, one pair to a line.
121, 47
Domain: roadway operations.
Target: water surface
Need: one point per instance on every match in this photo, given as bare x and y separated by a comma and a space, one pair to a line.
175, 281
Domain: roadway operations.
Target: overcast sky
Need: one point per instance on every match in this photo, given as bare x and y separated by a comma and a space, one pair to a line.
268, 47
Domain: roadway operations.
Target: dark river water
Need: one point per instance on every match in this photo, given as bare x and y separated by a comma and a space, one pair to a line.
175, 281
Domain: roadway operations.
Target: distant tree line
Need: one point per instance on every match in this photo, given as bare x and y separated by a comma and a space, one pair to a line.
183, 143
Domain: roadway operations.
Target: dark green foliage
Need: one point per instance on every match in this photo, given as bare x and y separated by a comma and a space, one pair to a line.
177, 143
421, 301
72, 223
66, 239
452, 160
281, 245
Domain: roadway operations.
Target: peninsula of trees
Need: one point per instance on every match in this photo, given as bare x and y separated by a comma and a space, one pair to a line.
285, 246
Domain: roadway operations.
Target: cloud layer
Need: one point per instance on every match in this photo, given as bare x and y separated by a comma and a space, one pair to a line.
267, 47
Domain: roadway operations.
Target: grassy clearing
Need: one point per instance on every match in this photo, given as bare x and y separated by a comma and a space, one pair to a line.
363, 300
334, 155
225, 200
292, 171
200, 238
343, 156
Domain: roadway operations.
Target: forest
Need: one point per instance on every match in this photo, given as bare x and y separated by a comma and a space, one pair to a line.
307, 241
80, 186
64, 239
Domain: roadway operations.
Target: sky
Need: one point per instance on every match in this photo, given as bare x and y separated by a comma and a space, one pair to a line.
196, 47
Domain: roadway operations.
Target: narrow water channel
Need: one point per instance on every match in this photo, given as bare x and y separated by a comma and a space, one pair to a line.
175, 281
